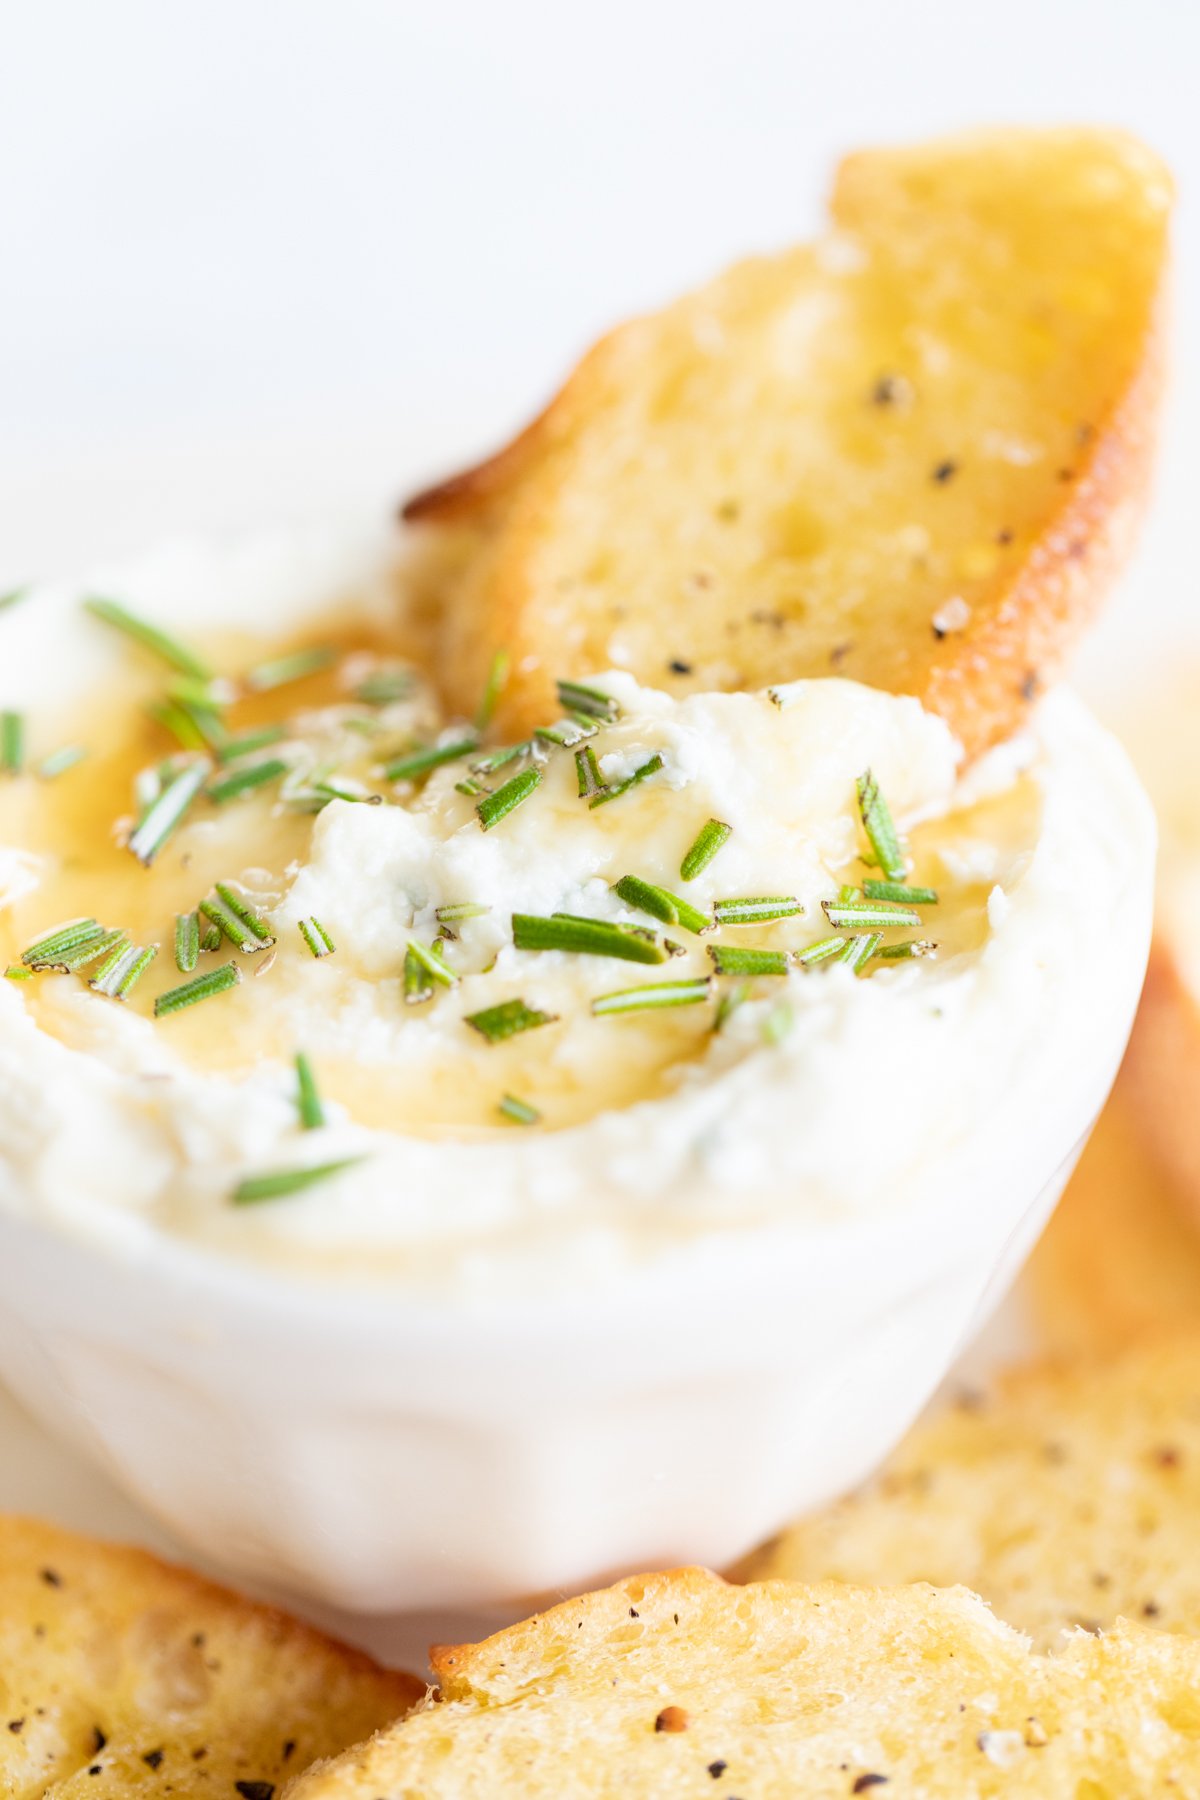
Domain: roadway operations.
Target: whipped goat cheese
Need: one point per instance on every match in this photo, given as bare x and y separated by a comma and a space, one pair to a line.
535, 1046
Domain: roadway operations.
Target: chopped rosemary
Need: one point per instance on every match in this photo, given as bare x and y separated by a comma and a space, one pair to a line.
519, 1111
187, 941
211, 938
471, 786
59, 761
383, 686
459, 910
316, 937
417, 986
900, 892
497, 806
614, 792
279, 670
848, 894
497, 759
12, 742
759, 911
859, 950
430, 756
183, 725
149, 636
237, 920
729, 959
243, 781
493, 687
71, 947
260, 738
880, 828
14, 973
711, 837
820, 952
653, 994
277, 1184
574, 697
308, 1099
662, 904
120, 972
432, 964
164, 813
566, 733
216, 981
860, 914
587, 937
495, 1023
587, 773
908, 947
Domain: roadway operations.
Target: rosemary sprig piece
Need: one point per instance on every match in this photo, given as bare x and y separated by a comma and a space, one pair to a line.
245, 780
587, 937
316, 937
660, 903
210, 939
493, 687
15, 973
496, 1023
822, 951
518, 1111
472, 787
384, 686
12, 742
187, 941
59, 761
653, 995
121, 971
651, 767
909, 947
880, 829
418, 988
308, 1098
859, 915
499, 758
164, 814
494, 807
566, 733
261, 737
899, 892
236, 920
858, 951
202, 987
71, 947
431, 963
151, 637
280, 670
730, 959
180, 723
430, 756
848, 894
277, 1184
711, 837
587, 773
574, 697
757, 911
459, 910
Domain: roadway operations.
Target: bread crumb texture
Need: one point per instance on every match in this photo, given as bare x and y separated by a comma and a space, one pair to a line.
1070, 1498
788, 1691
123, 1676
910, 454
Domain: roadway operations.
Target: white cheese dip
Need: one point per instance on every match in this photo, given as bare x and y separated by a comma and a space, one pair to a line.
823, 1095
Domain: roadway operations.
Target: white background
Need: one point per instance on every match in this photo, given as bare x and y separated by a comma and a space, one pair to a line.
261, 258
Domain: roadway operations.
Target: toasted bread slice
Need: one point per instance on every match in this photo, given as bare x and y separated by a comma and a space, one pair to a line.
1120, 1259
677, 1685
910, 454
120, 1675
1070, 1498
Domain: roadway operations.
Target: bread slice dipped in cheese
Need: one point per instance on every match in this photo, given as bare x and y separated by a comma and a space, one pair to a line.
910, 453
678, 1685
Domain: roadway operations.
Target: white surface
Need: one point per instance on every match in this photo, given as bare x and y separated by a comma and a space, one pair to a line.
291, 254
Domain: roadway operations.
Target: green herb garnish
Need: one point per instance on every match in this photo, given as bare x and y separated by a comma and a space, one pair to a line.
12, 742
59, 761
729, 959
72, 947
431, 963
121, 971
672, 909
245, 780
519, 1111
246, 742
180, 723
294, 667
880, 828
493, 687
187, 941
566, 733
900, 892
587, 937
308, 1098
622, 787
279, 1183
471, 786
236, 919
497, 806
653, 995
210, 939
729, 1002
384, 686
759, 911
859, 914
820, 952
859, 950
149, 636
418, 988
459, 910
712, 836
498, 759
574, 697
430, 756
908, 948
495, 1023
216, 981
14, 973
587, 773
164, 814
316, 937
